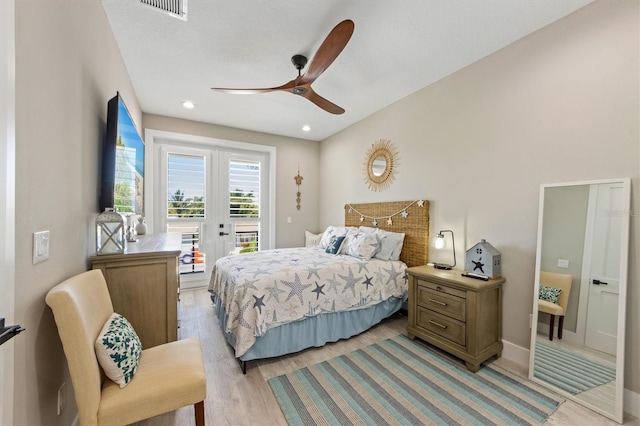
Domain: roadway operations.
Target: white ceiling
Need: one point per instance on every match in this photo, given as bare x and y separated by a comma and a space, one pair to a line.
397, 48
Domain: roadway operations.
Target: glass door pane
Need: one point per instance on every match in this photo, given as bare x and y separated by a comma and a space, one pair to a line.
186, 207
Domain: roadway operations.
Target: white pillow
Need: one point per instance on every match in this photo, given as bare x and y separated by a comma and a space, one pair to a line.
118, 349
338, 231
311, 240
361, 244
391, 243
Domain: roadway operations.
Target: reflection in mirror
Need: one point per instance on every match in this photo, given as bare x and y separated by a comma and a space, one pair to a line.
577, 333
378, 166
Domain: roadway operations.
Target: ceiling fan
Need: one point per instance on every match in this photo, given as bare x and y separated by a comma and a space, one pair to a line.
326, 54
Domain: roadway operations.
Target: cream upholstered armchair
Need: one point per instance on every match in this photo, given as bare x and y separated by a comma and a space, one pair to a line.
168, 376
562, 282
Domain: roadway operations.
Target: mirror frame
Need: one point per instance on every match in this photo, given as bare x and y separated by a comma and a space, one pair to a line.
622, 301
381, 148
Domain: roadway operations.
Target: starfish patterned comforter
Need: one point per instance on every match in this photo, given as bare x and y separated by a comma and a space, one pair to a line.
266, 289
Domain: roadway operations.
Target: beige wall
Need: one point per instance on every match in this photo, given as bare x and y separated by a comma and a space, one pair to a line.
289, 153
67, 66
565, 224
560, 105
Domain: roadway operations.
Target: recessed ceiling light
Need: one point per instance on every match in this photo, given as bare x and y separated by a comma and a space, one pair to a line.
306, 128
188, 105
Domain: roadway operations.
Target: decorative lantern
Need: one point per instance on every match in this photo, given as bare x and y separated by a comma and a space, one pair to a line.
484, 260
109, 232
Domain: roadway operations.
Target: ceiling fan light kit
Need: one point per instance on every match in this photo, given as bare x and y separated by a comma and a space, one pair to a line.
328, 51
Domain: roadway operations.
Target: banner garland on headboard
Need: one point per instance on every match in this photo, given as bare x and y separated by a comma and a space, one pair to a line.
412, 221
403, 212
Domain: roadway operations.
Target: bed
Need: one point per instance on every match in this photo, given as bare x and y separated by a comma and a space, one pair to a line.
275, 302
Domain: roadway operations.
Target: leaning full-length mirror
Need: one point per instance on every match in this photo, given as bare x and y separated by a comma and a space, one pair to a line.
578, 323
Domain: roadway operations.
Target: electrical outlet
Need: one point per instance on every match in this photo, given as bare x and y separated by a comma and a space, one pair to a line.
61, 397
40, 246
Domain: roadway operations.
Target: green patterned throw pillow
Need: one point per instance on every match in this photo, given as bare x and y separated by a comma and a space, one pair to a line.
335, 244
118, 349
550, 294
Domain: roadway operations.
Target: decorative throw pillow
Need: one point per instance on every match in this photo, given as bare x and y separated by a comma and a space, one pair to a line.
391, 243
118, 349
550, 294
339, 231
335, 244
362, 244
311, 240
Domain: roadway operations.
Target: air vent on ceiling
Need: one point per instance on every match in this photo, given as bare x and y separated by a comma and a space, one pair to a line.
175, 8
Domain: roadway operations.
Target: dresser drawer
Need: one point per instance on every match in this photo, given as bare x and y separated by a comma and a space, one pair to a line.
443, 303
441, 325
443, 288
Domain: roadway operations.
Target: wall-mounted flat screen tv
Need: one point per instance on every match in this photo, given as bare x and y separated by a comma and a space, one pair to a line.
122, 161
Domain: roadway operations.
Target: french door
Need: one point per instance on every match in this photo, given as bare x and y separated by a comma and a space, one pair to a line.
217, 198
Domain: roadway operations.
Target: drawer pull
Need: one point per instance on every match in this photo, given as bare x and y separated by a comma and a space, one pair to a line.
438, 302
438, 324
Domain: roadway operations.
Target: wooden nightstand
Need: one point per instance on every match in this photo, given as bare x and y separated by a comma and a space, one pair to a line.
460, 315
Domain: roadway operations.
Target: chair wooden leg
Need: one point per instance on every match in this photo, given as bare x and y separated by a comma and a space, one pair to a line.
552, 320
199, 411
560, 326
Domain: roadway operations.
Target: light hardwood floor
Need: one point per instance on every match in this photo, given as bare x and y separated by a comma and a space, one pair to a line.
237, 399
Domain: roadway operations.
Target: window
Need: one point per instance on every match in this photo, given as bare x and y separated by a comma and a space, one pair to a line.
185, 202
244, 203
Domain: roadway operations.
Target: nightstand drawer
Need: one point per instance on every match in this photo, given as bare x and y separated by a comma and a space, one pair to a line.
441, 325
443, 288
451, 306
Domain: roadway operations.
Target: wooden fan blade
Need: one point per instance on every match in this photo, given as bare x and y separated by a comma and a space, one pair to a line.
322, 102
328, 51
287, 86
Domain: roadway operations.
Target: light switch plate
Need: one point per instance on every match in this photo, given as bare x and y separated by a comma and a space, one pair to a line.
40, 246
563, 263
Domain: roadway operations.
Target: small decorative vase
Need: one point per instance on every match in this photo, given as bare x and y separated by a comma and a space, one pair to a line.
141, 227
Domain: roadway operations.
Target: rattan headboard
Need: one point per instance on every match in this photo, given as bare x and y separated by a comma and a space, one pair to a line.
415, 226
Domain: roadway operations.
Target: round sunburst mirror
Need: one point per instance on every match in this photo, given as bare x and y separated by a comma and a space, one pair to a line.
379, 165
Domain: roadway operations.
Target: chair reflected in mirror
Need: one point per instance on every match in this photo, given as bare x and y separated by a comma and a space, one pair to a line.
558, 285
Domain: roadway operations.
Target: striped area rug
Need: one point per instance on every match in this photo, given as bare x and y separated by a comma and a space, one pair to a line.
401, 382
569, 371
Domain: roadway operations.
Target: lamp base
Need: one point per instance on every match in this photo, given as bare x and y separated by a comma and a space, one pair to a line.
442, 266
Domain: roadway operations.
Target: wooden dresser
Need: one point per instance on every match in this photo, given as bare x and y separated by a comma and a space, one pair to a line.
144, 283
460, 315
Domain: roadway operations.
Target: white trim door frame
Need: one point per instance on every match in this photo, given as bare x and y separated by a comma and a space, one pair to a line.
7, 201
155, 191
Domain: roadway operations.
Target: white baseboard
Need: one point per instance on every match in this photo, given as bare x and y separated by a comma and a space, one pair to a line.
632, 403
515, 353
520, 356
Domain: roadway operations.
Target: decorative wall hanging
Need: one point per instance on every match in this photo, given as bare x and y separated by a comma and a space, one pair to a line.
379, 165
298, 180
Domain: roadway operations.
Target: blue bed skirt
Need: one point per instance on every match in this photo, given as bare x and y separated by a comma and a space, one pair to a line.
312, 331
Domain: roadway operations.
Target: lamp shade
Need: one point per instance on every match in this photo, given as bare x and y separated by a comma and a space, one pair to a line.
109, 232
